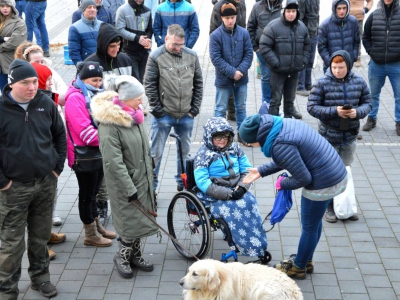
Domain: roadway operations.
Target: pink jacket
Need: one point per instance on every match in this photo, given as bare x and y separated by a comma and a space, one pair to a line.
78, 122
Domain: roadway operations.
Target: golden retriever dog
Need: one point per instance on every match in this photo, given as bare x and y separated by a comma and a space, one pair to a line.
214, 280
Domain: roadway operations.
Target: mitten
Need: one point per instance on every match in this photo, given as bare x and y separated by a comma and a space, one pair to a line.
133, 197
238, 194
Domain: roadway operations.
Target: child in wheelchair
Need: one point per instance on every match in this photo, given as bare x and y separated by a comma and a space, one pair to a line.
219, 167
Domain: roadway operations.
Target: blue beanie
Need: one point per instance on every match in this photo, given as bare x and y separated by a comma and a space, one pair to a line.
249, 128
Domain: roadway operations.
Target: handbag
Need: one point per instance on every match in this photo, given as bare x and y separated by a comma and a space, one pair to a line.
345, 204
87, 158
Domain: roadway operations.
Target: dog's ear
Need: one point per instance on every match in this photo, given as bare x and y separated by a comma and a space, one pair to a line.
213, 280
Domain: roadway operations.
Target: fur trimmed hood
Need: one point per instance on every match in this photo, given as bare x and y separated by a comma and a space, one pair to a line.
105, 111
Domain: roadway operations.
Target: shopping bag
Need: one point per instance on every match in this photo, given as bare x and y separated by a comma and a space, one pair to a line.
345, 204
282, 205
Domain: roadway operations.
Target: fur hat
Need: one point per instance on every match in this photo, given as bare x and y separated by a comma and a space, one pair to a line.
228, 9
20, 69
43, 74
126, 86
249, 128
85, 4
10, 3
89, 69
292, 4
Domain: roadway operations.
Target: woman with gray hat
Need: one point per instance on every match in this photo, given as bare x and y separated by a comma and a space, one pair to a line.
128, 168
12, 33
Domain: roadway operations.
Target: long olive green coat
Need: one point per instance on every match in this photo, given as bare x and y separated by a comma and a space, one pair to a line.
127, 166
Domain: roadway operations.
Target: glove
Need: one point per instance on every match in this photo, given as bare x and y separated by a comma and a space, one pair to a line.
133, 197
366, 10
238, 194
278, 183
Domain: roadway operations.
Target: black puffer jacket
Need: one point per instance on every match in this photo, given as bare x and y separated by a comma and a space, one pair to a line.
311, 18
216, 20
285, 46
381, 38
120, 65
261, 15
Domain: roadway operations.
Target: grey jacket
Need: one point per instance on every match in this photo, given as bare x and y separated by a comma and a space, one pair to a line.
173, 83
261, 15
309, 14
15, 29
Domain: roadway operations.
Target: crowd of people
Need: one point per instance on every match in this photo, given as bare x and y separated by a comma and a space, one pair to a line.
43, 121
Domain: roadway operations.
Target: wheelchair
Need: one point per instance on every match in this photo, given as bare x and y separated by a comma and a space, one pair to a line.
191, 223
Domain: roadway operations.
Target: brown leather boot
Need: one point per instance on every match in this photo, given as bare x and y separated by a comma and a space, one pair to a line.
93, 237
104, 232
52, 254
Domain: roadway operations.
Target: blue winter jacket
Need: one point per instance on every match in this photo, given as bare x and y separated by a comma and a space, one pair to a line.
312, 162
338, 34
182, 13
329, 92
230, 50
218, 170
82, 39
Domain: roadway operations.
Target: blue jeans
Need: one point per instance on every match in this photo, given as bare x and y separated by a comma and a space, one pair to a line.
160, 129
377, 74
305, 75
311, 223
20, 6
265, 75
34, 15
240, 97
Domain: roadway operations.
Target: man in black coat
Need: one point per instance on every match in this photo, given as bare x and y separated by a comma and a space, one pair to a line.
285, 47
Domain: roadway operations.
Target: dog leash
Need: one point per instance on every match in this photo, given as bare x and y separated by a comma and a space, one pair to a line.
162, 229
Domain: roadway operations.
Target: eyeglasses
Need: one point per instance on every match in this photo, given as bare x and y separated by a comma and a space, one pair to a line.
178, 45
220, 138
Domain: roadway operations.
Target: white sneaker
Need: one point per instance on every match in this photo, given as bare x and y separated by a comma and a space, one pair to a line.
57, 221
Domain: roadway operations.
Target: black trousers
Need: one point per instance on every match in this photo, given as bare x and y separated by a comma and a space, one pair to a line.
89, 185
139, 62
286, 85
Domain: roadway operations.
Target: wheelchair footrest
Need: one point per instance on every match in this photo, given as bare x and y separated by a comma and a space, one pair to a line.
226, 256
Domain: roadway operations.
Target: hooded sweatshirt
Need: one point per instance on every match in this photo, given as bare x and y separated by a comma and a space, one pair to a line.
120, 65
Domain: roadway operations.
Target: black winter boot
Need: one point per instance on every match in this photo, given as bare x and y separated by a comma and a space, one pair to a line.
121, 258
136, 259
371, 123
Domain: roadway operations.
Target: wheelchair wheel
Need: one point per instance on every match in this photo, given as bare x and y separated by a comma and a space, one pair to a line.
188, 222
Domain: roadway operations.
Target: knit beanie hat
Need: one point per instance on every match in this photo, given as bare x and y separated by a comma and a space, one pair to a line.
89, 69
228, 9
292, 4
43, 74
20, 69
249, 128
86, 3
127, 87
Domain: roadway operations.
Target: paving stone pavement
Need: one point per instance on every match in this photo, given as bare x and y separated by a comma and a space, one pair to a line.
353, 260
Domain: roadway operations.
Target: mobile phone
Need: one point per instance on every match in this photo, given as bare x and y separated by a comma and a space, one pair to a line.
347, 106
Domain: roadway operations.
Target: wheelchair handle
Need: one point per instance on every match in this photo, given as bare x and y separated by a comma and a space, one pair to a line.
174, 135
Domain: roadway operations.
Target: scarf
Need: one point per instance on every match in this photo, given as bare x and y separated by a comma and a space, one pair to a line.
276, 128
88, 92
137, 8
137, 115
